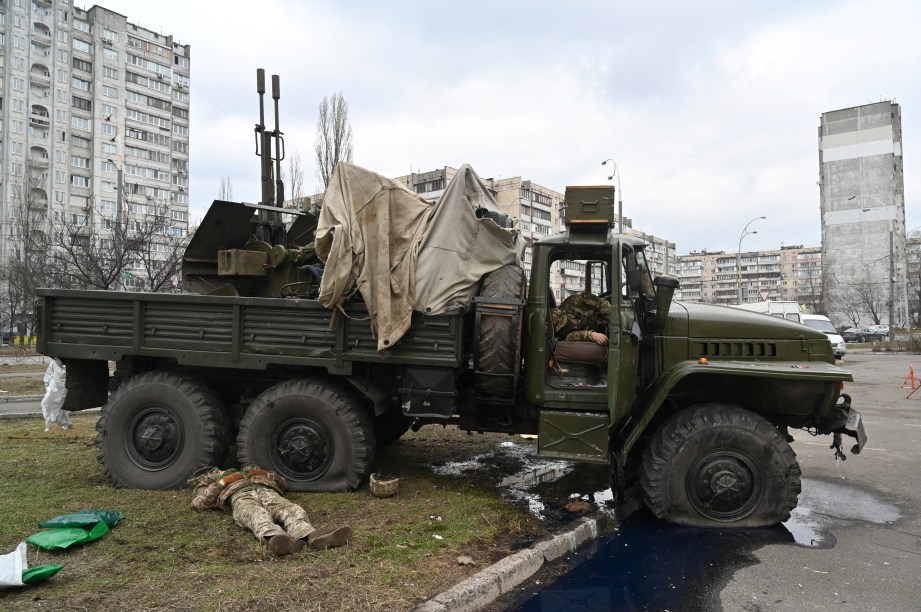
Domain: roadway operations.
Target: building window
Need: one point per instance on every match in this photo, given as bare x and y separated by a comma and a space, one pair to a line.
83, 65
79, 162
81, 25
78, 102
80, 123
110, 91
109, 72
81, 45
79, 181
81, 84
80, 141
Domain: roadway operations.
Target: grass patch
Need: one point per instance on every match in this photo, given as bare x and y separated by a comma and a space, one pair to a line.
6, 368
21, 385
164, 555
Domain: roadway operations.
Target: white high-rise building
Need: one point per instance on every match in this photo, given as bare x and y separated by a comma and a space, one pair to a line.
863, 213
88, 98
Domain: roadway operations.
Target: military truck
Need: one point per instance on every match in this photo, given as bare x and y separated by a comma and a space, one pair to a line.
693, 402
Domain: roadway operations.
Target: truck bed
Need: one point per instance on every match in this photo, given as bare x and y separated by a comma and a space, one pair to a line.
233, 332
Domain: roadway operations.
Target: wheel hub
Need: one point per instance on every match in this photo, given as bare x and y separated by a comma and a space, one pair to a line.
157, 438
723, 486
303, 448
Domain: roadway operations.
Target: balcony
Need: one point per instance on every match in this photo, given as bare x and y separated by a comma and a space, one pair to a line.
38, 162
37, 78
41, 38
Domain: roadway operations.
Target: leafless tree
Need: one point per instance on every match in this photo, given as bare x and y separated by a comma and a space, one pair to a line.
225, 191
863, 296
295, 177
159, 250
913, 249
334, 136
26, 266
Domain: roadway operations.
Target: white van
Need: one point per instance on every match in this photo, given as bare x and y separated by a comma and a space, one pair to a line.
822, 324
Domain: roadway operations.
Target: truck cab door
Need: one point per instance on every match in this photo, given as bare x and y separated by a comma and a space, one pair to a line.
624, 335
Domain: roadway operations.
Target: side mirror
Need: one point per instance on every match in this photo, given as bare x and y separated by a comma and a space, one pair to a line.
665, 291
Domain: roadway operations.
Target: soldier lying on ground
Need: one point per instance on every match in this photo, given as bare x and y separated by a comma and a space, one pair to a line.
255, 496
582, 317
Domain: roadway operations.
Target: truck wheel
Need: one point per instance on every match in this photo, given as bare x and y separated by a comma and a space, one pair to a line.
715, 465
499, 344
157, 429
310, 433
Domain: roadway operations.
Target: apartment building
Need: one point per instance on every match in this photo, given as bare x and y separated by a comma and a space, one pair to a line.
862, 194
787, 273
95, 120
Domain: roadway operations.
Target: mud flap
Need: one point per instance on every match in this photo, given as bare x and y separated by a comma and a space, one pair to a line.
854, 425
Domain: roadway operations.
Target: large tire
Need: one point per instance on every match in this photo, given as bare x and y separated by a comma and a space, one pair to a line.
718, 465
159, 428
315, 436
499, 343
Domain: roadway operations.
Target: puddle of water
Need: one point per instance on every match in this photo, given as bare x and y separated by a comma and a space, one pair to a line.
831, 505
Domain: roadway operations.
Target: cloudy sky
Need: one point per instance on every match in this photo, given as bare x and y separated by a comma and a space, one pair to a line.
709, 108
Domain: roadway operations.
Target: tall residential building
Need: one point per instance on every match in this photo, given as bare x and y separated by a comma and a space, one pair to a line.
537, 210
89, 98
863, 211
787, 273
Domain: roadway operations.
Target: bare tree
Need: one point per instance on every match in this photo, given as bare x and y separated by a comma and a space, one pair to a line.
863, 296
295, 177
334, 136
26, 267
159, 250
225, 191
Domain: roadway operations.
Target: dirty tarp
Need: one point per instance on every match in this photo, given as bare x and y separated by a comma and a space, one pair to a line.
368, 235
459, 248
404, 253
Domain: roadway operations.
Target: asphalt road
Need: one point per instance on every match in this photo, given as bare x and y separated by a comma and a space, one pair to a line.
867, 509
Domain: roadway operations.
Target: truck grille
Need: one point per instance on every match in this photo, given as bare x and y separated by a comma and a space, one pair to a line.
737, 349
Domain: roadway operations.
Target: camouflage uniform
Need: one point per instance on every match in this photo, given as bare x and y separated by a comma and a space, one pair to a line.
255, 497
579, 315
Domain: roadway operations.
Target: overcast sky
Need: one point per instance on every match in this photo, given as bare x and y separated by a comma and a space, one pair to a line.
710, 108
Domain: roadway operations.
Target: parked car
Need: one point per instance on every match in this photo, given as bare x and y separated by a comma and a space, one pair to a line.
823, 324
852, 334
883, 329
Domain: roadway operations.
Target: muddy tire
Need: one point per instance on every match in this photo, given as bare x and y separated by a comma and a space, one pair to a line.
719, 465
314, 435
499, 342
157, 429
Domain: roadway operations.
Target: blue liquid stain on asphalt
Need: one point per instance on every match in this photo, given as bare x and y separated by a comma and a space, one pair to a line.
650, 565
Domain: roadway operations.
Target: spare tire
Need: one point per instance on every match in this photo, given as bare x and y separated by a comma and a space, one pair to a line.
498, 346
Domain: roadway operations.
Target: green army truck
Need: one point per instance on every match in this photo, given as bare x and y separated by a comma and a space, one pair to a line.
693, 402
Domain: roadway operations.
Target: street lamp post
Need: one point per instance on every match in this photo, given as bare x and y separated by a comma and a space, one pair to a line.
620, 201
891, 264
744, 233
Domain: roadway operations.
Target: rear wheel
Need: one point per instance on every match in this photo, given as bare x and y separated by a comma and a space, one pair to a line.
312, 434
499, 342
719, 465
157, 429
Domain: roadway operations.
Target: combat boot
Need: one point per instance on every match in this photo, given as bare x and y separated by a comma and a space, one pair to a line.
329, 537
284, 544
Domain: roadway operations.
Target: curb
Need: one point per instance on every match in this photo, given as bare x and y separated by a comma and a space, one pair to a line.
21, 398
484, 587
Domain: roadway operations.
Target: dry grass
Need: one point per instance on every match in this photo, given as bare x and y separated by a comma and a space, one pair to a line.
165, 556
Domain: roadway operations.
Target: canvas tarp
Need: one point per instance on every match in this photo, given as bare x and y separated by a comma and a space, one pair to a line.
403, 253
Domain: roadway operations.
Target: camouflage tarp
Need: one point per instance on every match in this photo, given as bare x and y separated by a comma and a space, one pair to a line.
404, 253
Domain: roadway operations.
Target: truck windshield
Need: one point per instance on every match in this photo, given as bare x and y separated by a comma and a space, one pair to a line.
820, 325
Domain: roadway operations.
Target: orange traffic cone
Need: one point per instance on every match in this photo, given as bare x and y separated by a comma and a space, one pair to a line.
910, 378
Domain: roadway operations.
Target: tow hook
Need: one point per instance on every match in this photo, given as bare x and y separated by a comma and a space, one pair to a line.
836, 444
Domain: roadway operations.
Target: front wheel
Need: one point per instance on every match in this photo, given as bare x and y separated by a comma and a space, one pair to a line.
719, 465
157, 429
318, 438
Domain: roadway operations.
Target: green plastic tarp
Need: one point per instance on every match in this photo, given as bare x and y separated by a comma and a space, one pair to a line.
39, 573
64, 537
84, 518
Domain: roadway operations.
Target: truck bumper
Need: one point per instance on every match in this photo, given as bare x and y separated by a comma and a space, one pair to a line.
854, 425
